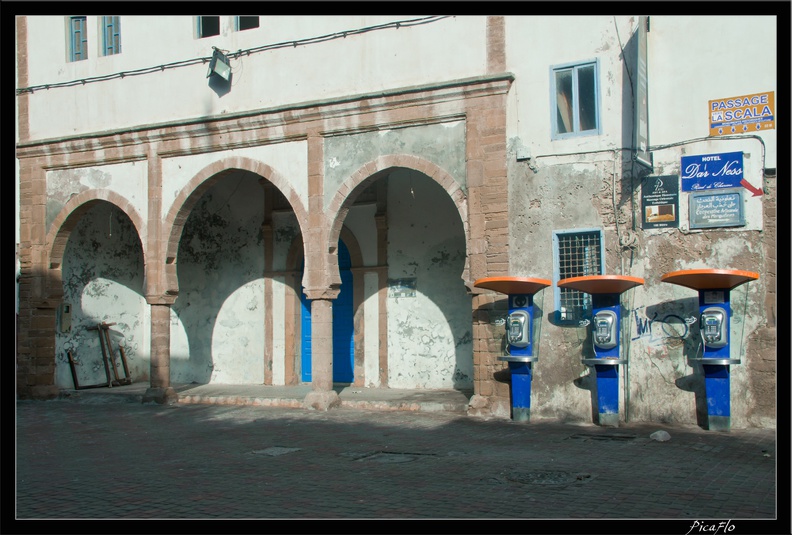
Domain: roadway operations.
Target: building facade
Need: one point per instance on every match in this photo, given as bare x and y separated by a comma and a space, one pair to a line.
290, 200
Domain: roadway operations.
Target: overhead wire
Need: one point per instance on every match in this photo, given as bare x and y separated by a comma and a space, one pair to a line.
235, 55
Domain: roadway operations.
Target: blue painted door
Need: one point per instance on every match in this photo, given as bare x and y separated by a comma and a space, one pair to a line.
343, 326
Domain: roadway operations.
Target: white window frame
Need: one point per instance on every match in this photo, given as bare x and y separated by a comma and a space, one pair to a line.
575, 130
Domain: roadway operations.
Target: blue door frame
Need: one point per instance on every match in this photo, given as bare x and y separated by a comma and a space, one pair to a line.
343, 326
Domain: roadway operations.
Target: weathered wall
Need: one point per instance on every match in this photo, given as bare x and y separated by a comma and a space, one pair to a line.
216, 323
103, 283
429, 335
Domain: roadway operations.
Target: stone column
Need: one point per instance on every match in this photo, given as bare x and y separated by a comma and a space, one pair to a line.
160, 390
322, 397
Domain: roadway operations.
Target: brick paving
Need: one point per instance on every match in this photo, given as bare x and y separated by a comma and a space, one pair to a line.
113, 459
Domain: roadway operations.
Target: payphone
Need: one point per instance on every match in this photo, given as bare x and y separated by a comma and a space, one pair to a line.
606, 291
713, 325
714, 287
606, 332
519, 335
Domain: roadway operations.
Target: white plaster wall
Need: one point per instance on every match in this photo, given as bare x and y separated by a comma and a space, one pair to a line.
690, 63
278, 331
355, 64
536, 43
288, 160
371, 320
360, 220
429, 335
103, 282
130, 180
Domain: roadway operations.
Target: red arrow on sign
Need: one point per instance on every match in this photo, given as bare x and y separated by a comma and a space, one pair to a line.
747, 185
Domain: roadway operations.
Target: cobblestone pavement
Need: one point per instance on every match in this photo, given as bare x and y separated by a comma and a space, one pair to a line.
124, 460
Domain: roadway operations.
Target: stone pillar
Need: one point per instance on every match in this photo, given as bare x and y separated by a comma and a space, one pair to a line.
322, 397
160, 390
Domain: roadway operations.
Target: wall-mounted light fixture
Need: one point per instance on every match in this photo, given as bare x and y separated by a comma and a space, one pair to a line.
219, 65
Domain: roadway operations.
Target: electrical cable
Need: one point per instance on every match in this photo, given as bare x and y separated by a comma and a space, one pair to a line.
237, 54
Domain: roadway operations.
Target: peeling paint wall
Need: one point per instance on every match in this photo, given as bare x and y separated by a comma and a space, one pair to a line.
589, 183
442, 144
429, 335
288, 160
103, 283
216, 332
127, 179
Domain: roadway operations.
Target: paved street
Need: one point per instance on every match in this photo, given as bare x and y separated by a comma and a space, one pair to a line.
126, 460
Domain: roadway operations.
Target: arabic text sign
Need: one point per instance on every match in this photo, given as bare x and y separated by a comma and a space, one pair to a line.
738, 115
712, 171
722, 209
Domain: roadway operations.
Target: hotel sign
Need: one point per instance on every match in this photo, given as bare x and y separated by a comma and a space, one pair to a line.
712, 171
741, 115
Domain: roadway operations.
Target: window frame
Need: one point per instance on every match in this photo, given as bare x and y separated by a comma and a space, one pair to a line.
199, 23
575, 68
238, 21
557, 273
112, 23
78, 37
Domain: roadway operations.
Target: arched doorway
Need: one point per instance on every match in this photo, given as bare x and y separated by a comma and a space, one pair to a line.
343, 326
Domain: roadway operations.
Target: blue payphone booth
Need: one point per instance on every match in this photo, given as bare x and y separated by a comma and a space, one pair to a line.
605, 291
520, 336
714, 287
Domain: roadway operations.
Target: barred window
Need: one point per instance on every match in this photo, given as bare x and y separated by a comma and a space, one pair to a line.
576, 253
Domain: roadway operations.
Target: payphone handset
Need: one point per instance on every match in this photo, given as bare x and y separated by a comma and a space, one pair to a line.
518, 329
714, 327
605, 326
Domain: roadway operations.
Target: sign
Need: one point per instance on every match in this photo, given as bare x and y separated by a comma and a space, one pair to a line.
722, 209
641, 126
740, 115
712, 171
401, 287
660, 202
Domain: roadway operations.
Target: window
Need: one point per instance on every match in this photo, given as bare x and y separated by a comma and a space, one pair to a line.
78, 39
246, 23
575, 100
111, 32
208, 26
576, 254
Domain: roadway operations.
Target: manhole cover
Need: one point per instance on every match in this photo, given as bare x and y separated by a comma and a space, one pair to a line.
392, 457
546, 477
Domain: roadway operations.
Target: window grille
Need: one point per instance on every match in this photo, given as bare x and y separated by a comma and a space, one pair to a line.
78, 39
577, 254
112, 35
